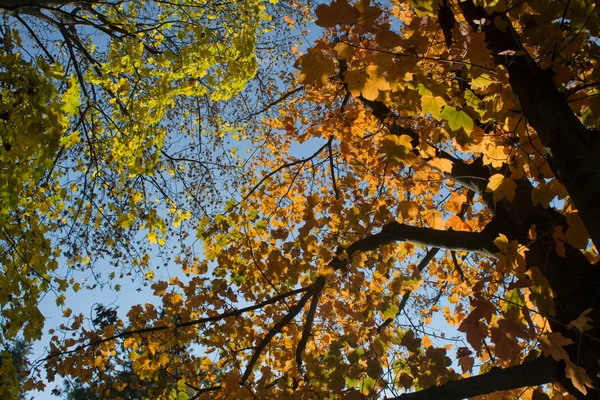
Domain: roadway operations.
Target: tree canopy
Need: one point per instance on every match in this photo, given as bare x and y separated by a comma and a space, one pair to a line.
331, 200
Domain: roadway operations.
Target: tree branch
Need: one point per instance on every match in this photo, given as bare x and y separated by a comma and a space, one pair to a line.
571, 149
295, 310
199, 321
310, 316
537, 372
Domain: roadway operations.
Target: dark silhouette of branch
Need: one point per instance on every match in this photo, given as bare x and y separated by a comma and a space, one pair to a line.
275, 102
284, 166
537, 372
396, 232
287, 318
198, 321
310, 316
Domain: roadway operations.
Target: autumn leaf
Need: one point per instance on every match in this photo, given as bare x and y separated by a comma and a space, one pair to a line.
577, 235
368, 13
367, 83
315, 67
441, 164
578, 377
343, 51
339, 12
553, 345
396, 148
433, 105
582, 322
457, 119
466, 363
502, 187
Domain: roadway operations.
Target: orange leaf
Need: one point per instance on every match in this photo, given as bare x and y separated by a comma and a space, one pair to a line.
367, 83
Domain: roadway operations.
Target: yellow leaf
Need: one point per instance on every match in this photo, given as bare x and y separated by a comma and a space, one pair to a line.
315, 67
160, 288
581, 321
60, 300
578, 377
441, 163
163, 359
542, 194
553, 345
343, 51
409, 209
396, 148
501, 242
502, 187
152, 237
433, 105
367, 83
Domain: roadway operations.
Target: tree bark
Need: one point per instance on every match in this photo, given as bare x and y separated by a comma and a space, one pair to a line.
571, 149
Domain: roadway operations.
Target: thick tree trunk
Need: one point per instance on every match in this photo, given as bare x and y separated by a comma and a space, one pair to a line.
571, 149
573, 157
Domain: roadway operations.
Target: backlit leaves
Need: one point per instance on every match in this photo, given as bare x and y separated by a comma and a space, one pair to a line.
339, 12
578, 377
366, 83
301, 266
316, 67
502, 187
457, 119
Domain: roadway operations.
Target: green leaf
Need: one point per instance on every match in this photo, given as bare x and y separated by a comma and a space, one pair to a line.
391, 311
253, 215
433, 105
71, 99
513, 301
261, 225
457, 119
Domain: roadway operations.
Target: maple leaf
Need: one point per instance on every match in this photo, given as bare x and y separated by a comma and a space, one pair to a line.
476, 331
553, 345
367, 83
433, 105
577, 235
368, 13
457, 119
316, 67
466, 363
578, 377
582, 321
343, 51
503, 187
396, 148
339, 12
441, 164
